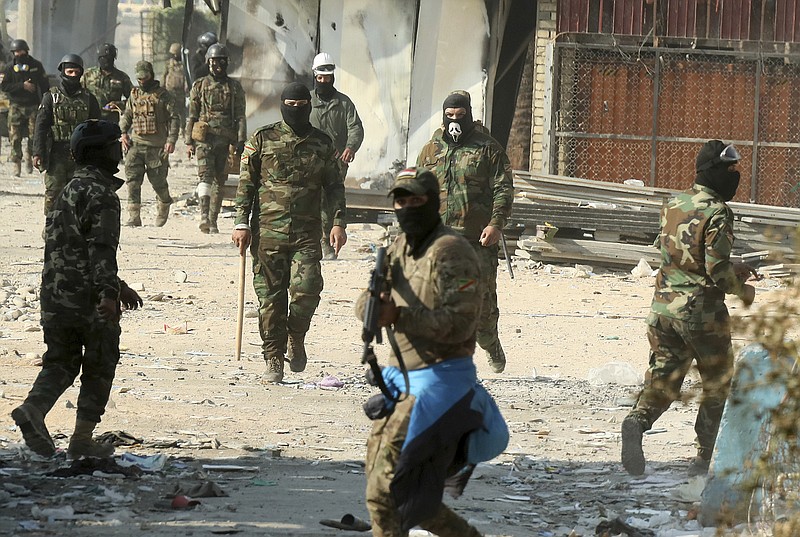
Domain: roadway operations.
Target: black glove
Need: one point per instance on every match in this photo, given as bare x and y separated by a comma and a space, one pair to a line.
239, 149
129, 298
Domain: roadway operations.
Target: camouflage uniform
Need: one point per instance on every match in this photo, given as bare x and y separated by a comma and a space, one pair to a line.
688, 319
109, 89
281, 182
221, 104
477, 190
338, 118
80, 269
152, 115
23, 103
57, 117
438, 292
175, 82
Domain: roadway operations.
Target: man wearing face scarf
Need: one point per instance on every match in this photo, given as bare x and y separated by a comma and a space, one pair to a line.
334, 113
107, 83
688, 319
286, 169
430, 440
476, 190
216, 125
151, 113
24, 81
63, 107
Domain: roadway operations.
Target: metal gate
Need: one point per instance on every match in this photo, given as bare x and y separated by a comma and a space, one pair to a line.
624, 112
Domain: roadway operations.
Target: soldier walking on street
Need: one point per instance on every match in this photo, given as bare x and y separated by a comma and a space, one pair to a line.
81, 295
334, 113
440, 422
285, 169
24, 81
107, 83
216, 126
477, 190
688, 318
150, 111
63, 108
175, 82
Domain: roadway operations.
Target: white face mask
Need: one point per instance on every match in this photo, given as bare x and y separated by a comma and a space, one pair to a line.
454, 130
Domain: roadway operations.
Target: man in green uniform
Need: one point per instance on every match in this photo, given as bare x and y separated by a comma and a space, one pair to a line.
477, 190
81, 295
175, 81
150, 111
688, 319
107, 83
63, 108
285, 169
216, 126
334, 113
431, 438
24, 82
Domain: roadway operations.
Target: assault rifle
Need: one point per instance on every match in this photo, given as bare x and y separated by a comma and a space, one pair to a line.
372, 331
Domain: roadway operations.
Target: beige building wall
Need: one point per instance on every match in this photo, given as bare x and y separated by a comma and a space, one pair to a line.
545, 35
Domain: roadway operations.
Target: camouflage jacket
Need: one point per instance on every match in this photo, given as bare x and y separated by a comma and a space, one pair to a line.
80, 248
152, 115
338, 119
107, 88
437, 290
175, 77
221, 104
59, 114
475, 181
695, 274
14, 77
281, 182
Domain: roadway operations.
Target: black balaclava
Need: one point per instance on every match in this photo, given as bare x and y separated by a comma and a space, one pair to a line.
716, 177
106, 158
149, 85
325, 90
455, 130
106, 63
297, 116
70, 84
418, 222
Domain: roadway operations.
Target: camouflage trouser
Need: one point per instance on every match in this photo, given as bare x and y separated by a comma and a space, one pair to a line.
326, 213
93, 351
674, 344
21, 123
211, 160
487, 336
383, 452
60, 169
154, 161
291, 269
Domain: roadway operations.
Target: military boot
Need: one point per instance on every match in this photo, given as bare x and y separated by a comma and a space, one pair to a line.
274, 372
82, 445
297, 353
163, 213
215, 204
28, 165
205, 224
17, 168
134, 215
30, 421
497, 358
632, 454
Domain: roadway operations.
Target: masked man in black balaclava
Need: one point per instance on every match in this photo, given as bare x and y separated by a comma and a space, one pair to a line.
477, 190
432, 304
286, 170
62, 109
110, 85
334, 113
688, 318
